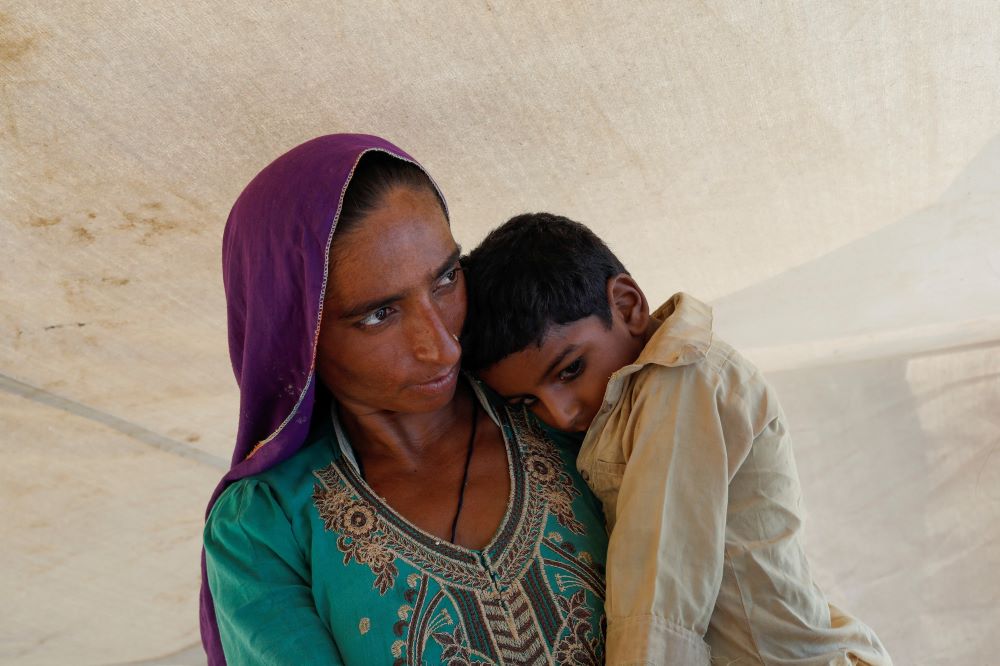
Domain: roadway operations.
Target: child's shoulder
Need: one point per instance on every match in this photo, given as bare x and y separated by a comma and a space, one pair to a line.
685, 341
721, 357
717, 364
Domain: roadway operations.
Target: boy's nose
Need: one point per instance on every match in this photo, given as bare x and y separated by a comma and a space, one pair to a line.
564, 415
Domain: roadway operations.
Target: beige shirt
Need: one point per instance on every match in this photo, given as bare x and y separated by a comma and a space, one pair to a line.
692, 460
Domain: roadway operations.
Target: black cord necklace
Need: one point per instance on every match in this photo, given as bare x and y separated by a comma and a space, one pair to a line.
465, 473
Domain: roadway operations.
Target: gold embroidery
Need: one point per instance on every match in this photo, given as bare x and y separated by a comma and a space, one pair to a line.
578, 645
361, 532
500, 607
545, 468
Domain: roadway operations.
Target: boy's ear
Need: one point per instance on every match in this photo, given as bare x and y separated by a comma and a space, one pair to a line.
629, 303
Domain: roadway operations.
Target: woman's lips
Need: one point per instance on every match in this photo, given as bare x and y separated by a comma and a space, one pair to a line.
440, 383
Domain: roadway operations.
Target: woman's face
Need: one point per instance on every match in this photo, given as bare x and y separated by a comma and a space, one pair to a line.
395, 300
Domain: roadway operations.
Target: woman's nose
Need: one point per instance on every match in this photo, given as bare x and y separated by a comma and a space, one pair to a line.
432, 340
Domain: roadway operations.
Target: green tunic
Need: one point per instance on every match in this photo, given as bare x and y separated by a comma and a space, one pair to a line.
308, 566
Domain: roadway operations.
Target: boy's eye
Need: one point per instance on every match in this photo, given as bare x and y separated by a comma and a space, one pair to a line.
571, 370
376, 317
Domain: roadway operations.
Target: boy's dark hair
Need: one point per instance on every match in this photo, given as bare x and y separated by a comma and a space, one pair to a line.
534, 271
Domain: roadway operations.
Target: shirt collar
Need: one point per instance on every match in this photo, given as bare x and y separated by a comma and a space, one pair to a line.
684, 335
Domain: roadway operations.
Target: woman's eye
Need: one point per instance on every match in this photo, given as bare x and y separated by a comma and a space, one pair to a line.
376, 317
449, 278
571, 370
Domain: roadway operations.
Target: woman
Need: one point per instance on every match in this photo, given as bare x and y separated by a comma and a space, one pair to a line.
380, 508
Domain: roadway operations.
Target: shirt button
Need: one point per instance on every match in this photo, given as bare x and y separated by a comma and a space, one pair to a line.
584, 475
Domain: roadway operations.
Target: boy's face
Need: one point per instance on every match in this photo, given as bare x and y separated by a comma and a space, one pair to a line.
563, 381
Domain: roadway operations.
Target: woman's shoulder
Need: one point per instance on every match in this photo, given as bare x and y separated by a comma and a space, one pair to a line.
287, 484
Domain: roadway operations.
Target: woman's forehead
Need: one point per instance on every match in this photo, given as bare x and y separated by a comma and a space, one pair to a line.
399, 246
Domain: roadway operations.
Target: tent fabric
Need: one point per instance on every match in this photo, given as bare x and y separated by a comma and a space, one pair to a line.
827, 175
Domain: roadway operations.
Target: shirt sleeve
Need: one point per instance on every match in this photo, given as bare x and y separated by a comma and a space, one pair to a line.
667, 548
260, 583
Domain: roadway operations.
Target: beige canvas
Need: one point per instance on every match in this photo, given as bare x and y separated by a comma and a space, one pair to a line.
827, 175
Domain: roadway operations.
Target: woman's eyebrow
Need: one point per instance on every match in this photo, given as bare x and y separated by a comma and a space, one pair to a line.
382, 301
449, 262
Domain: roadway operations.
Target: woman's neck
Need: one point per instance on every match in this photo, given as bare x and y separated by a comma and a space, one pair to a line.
405, 438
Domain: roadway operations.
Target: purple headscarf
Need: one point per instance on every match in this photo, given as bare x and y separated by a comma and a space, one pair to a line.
275, 254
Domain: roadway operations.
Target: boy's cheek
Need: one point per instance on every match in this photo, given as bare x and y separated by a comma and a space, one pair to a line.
543, 415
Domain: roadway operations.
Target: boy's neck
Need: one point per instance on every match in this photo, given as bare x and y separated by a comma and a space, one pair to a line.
651, 327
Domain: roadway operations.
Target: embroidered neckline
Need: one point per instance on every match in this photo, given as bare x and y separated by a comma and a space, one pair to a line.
359, 487
351, 473
524, 598
373, 533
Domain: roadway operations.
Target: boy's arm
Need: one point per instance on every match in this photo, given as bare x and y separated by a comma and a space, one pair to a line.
667, 548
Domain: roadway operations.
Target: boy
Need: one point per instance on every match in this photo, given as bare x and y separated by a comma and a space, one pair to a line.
685, 446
